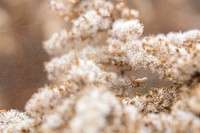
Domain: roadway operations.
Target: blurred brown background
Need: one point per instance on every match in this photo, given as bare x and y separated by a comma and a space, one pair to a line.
24, 24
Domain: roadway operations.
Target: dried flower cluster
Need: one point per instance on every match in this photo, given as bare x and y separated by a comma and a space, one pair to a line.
91, 69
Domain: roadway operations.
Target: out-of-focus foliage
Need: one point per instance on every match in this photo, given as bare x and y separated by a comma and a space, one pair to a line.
23, 26
168, 15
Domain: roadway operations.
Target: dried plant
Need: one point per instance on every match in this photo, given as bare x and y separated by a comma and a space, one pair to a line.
91, 72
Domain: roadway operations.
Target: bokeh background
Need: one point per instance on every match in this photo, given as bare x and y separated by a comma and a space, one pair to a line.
25, 24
